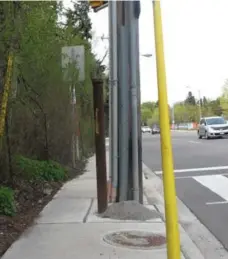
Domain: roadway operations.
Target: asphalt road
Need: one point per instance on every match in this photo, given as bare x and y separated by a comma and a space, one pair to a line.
201, 173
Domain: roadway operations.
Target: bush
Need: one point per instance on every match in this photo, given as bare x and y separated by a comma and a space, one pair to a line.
41, 170
7, 203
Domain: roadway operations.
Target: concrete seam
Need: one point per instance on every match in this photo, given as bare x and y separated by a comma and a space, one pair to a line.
88, 211
56, 223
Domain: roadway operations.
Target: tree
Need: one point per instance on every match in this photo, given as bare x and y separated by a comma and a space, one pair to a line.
180, 112
155, 118
204, 102
40, 122
224, 99
190, 99
147, 111
148, 105
215, 107
78, 19
40, 125
145, 115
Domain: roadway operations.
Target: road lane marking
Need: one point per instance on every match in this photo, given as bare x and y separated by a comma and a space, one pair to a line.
216, 183
191, 176
194, 142
200, 169
216, 202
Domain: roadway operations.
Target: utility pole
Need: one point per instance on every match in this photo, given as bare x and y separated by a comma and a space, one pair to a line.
134, 11
129, 163
139, 116
113, 99
98, 102
123, 101
172, 227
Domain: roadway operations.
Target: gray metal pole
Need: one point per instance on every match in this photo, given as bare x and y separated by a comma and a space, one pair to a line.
134, 98
139, 116
113, 103
110, 99
123, 102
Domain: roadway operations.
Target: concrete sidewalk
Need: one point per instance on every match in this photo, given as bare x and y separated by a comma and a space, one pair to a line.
68, 227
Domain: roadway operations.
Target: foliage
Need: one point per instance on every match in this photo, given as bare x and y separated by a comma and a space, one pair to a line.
7, 203
41, 170
149, 105
147, 112
188, 110
155, 118
224, 99
78, 19
145, 115
39, 114
190, 100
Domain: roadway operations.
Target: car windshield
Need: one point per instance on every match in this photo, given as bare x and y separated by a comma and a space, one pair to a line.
214, 121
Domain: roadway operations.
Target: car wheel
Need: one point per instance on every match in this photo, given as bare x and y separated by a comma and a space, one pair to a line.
199, 136
206, 135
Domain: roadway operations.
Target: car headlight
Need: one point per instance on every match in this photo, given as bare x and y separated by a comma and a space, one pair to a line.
210, 129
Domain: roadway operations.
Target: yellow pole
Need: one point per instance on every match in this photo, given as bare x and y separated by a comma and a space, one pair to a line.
172, 228
5, 94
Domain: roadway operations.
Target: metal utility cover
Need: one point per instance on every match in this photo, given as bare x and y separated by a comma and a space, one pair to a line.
136, 239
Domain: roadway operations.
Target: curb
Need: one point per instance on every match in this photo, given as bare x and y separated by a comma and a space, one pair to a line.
196, 240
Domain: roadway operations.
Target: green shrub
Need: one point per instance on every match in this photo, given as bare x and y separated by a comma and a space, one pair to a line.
7, 203
41, 170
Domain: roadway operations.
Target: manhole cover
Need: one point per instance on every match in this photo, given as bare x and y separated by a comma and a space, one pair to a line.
136, 239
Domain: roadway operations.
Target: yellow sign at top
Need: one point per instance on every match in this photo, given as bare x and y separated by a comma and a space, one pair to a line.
96, 4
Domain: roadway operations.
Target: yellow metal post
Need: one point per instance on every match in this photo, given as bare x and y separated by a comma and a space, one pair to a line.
5, 94
172, 228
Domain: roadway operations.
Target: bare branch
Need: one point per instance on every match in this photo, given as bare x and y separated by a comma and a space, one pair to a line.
105, 55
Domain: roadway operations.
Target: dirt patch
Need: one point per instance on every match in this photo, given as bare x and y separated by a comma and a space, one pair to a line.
130, 210
30, 198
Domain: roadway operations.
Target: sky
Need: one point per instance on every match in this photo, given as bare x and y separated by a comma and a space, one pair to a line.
195, 42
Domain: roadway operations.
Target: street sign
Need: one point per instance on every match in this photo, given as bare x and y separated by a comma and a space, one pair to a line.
98, 5
71, 54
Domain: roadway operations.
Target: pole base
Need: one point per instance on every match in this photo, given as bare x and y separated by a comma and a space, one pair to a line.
111, 192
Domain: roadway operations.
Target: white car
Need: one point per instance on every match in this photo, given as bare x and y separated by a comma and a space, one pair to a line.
146, 129
212, 127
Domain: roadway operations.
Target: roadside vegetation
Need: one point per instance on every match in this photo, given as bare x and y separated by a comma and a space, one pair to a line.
188, 110
36, 122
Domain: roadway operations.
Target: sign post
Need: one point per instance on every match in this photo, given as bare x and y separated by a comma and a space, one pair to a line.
74, 55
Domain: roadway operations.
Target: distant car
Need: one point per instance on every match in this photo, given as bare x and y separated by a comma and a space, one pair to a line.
212, 127
146, 129
155, 130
